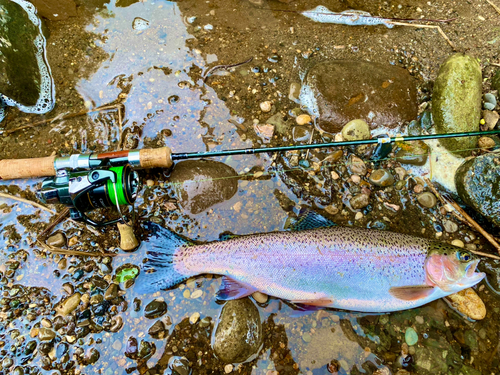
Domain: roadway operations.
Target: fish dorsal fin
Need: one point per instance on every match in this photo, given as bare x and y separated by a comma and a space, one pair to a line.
232, 289
411, 293
309, 219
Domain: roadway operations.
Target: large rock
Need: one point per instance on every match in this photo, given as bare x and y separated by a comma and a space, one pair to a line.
25, 79
478, 184
344, 90
456, 101
200, 184
238, 333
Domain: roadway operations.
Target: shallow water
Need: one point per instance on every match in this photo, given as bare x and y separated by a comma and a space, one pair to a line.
155, 71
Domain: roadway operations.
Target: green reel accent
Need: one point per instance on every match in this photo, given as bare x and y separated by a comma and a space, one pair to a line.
122, 199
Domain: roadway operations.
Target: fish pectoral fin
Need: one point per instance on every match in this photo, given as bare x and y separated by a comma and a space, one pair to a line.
232, 289
323, 302
411, 293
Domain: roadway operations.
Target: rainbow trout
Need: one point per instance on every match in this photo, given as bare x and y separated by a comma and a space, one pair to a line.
346, 268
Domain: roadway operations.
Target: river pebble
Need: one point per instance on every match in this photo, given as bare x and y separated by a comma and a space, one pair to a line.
450, 226
57, 240
382, 177
303, 119
468, 303
411, 337
486, 143
427, 199
194, 317
359, 201
46, 334
157, 330
458, 243
155, 309
294, 92
197, 293
490, 101
69, 305
356, 165
260, 297
490, 119
228, 368
266, 106
356, 130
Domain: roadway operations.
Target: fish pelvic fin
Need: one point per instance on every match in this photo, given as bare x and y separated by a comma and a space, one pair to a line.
232, 289
411, 293
158, 268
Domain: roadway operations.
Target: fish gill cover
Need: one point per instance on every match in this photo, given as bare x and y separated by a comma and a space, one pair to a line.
25, 78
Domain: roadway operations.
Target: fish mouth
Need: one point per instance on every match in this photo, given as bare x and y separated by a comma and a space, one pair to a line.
471, 276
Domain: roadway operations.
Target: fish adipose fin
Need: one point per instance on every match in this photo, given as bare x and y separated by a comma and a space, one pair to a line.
309, 219
158, 270
411, 293
232, 289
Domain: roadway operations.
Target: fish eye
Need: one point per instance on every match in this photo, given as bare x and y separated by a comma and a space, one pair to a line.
463, 256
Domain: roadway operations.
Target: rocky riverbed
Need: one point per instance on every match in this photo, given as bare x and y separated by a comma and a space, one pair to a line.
147, 61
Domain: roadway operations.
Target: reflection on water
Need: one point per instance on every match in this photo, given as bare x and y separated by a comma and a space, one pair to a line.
155, 59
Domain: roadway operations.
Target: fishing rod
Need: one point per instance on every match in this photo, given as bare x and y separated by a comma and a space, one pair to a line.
85, 182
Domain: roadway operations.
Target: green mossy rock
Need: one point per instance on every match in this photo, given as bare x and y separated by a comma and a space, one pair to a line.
478, 184
456, 101
238, 334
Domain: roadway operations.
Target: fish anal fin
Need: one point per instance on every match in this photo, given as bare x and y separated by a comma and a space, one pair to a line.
232, 289
411, 293
323, 302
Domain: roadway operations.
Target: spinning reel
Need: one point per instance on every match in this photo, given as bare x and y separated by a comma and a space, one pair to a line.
85, 191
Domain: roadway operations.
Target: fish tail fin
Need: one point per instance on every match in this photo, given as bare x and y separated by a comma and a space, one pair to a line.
158, 268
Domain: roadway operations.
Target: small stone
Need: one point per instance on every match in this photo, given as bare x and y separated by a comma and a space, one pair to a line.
355, 178
332, 209
427, 199
73, 241
194, 317
450, 226
490, 119
205, 322
401, 172
62, 264
266, 106
186, 294
228, 368
382, 177
157, 330
468, 303
356, 165
155, 309
418, 189
69, 304
359, 201
294, 92
356, 130
46, 323
414, 153
46, 334
490, 98
197, 293
112, 292
411, 336
488, 106
419, 319
306, 337
486, 143
303, 119
335, 175
458, 243
150, 182
57, 240
260, 297
117, 345
358, 216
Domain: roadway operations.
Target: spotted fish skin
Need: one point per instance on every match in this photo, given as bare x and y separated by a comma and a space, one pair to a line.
346, 268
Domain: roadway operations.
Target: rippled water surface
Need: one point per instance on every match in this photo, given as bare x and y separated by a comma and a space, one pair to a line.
147, 58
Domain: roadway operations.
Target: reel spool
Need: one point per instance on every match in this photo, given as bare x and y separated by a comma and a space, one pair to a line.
88, 190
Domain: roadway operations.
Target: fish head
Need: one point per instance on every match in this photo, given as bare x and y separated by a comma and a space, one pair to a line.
451, 268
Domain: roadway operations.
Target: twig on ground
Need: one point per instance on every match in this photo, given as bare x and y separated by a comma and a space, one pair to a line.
428, 27
467, 219
223, 67
65, 117
58, 250
494, 6
38, 205
59, 218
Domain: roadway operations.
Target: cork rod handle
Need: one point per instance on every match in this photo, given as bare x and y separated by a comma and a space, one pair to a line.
155, 157
27, 168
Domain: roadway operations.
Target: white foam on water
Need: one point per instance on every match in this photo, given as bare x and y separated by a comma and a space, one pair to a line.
46, 100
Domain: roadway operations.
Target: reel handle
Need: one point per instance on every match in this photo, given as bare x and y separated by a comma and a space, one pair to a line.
45, 167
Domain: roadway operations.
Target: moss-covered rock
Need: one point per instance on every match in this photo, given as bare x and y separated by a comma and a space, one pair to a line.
238, 334
456, 101
478, 184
